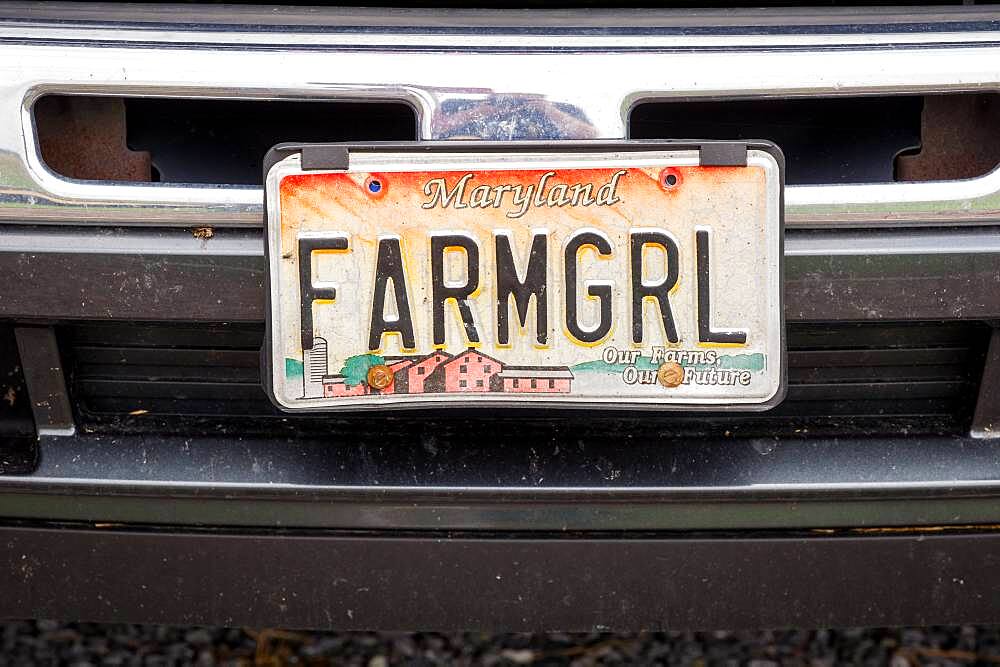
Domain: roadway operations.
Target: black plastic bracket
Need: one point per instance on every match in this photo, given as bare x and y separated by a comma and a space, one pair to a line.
333, 156
723, 155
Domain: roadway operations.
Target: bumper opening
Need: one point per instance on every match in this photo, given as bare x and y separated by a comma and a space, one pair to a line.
205, 141
881, 139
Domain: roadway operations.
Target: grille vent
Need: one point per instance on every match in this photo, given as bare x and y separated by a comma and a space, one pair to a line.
842, 377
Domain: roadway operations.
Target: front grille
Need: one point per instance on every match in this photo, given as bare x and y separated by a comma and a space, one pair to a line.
843, 378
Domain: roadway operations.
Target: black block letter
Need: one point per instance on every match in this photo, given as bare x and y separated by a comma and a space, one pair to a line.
460, 293
308, 292
600, 291
509, 285
659, 291
705, 332
389, 266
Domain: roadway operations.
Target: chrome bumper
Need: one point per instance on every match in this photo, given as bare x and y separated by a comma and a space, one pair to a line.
529, 75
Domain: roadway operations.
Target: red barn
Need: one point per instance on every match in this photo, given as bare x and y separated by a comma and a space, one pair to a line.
527, 380
333, 385
412, 378
398, 366
469, 371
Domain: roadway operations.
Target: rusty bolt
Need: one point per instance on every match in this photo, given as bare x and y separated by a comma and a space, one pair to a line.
380, 377
670, 374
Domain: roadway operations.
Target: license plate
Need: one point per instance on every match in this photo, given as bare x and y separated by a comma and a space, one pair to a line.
622, 276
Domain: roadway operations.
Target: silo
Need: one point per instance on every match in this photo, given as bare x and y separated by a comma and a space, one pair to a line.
314, 367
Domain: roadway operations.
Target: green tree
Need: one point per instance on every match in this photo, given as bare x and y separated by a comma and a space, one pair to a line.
355, 370
293, 368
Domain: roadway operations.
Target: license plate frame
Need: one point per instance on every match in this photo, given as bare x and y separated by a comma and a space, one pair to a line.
319, 159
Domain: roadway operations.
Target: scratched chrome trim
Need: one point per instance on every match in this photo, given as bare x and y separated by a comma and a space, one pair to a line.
246, 40
543, 84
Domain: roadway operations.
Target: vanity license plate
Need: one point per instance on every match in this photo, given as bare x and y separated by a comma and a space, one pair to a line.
624, 277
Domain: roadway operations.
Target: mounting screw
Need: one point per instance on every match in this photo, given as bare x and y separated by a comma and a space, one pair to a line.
670, 374
380, 377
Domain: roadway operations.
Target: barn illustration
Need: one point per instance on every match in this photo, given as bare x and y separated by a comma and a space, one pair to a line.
467, 372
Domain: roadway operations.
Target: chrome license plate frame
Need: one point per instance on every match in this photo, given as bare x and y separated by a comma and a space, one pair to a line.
361, 213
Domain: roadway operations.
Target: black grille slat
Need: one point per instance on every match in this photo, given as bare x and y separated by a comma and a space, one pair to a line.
918, 408
826, 374
178, 406
880, 336
875, 391
879, 357
171, 373
216, 391
138, 356
136, 335
167, 364
158, 406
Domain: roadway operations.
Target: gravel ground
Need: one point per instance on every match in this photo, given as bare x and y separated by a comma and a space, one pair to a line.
49, 642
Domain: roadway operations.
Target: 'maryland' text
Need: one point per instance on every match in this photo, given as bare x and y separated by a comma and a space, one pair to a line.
520, 197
